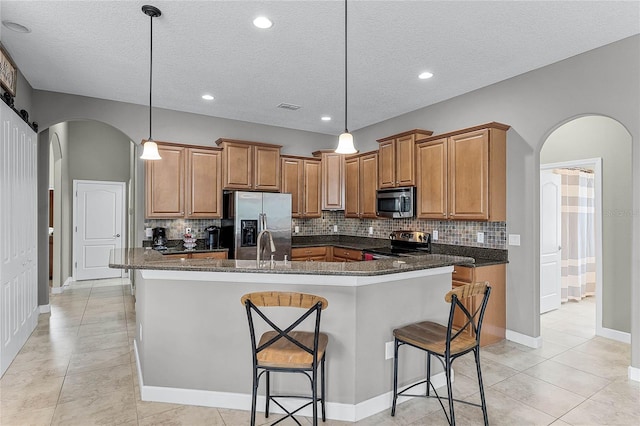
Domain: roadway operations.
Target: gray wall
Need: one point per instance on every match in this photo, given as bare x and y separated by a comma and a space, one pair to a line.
593, 137
603, 81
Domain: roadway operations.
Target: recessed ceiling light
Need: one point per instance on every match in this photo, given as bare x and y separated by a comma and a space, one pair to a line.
207, 97
325, 118
425, 75
14, 26
262, 22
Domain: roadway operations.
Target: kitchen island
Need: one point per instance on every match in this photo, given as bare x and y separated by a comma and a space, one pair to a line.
192, 341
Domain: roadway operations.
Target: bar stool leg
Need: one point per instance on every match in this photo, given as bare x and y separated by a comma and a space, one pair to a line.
322, 389
395, 376
476, 353
428, 372
268, 395
314, 393
254, 395
452, 418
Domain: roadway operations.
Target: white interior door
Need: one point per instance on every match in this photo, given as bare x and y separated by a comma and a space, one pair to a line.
98, 216
550, 234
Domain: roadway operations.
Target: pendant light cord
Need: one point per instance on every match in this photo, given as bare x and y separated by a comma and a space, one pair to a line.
345, 67
150, 74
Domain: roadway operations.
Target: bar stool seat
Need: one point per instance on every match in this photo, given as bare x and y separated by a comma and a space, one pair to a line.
432, 337
285, 354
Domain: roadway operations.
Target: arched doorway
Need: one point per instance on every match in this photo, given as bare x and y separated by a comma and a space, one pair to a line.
85, 150
579, 143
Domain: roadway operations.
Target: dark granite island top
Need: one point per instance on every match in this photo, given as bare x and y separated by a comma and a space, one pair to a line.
147, 259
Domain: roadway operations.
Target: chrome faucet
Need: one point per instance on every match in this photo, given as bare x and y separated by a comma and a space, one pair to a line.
259, 246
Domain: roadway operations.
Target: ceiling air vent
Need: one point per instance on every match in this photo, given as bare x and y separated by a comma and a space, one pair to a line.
291, 107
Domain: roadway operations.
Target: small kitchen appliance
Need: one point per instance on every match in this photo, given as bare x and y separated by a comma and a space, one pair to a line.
159, 238
403, 243
213, 237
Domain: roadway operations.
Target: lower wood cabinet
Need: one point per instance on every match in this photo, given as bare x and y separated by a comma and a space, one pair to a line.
312, 254
346, 255
495, 317
198, 255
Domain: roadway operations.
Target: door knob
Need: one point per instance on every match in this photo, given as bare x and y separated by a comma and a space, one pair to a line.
116, 235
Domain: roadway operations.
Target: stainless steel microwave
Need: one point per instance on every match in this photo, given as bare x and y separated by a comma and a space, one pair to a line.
396, 202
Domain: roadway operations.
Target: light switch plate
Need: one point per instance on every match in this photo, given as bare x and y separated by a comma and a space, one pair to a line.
296, 229
371, 230
388, 350
480, 237
335, 228
434, 235
514, 239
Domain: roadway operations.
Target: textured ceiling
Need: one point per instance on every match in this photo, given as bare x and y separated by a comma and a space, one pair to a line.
101, 49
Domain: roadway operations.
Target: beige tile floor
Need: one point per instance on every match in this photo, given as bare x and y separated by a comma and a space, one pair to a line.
78, 368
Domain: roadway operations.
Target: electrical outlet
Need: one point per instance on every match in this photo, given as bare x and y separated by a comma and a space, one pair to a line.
371, 230
514, 239
335, 228
187, 230
296, 229
388, 350
434, 235
480, 237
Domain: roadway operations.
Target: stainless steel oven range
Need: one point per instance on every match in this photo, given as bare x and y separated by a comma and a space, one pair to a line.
402, 243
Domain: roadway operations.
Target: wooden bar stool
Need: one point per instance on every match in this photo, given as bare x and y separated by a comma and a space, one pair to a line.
287, 351
446, 344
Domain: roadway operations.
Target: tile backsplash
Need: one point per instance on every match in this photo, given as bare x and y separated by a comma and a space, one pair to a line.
462, 233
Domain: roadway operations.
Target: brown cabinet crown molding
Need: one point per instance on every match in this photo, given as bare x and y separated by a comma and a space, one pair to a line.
184, 145
425, 133
220, 141
491, 125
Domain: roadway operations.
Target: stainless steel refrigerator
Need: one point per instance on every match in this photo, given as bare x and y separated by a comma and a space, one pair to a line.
246, 214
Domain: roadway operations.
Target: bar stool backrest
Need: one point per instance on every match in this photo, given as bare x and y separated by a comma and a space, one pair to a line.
473, 320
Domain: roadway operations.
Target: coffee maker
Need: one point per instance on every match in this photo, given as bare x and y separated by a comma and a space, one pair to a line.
159, 238
213, 237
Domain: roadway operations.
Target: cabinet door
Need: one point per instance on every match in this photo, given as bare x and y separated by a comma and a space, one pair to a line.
311, 197
332, 181
209, 255
432, 180
204, 174
368, 185
352, 187
164, 183
459, 318
238, 166
387, 165
405, 163
469, 176
267, 168
292, 179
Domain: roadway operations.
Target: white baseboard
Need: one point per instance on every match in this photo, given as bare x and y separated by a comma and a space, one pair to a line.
523, 339
238, 401
610, 333
44, 308
68, 281
634, 374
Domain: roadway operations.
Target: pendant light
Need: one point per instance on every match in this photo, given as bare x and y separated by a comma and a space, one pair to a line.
150, 151
345, 140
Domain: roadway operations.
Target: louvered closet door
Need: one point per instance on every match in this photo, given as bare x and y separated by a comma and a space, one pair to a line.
18, 234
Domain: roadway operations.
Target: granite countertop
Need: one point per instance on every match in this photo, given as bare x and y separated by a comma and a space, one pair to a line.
146, 258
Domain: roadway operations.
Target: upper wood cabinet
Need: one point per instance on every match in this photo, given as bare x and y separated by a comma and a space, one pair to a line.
396, 162
185, 183
462, 174
250, 166
301, 179
332, 179
361, 184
